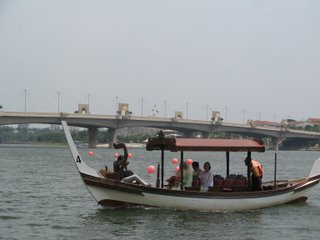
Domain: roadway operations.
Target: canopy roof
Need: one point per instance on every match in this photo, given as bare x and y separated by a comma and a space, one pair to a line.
198, 144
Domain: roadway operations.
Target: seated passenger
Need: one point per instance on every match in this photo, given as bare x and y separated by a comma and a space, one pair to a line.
196, 174
187, 176
171, 182
206, 177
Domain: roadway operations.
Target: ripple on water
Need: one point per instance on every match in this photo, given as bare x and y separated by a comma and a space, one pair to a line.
6, 217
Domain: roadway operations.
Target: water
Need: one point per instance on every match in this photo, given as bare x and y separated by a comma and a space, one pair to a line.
43, 197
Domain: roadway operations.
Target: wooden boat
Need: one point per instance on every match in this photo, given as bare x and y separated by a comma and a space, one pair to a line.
109, 189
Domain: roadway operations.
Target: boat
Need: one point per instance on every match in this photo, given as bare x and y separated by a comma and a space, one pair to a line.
171, 133
109, 189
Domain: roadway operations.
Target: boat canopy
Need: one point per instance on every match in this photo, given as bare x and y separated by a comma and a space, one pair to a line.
199, 144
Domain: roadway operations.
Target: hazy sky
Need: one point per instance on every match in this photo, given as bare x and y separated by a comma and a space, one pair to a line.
246, 56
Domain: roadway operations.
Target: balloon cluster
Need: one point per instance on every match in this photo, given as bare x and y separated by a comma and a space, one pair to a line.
116, 155
152, 169
175, 161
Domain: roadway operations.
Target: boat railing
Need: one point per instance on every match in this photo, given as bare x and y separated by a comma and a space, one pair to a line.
232, 183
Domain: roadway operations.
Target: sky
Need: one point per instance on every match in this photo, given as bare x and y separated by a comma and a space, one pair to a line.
247, 59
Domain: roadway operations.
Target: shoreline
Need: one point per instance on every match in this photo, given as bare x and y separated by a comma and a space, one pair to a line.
54, 145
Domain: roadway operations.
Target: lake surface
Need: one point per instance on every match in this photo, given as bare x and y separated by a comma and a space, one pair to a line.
43, 197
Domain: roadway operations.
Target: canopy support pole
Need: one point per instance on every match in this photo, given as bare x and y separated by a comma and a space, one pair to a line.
249, 170
162, 166
228, 163
181, 170
275, 170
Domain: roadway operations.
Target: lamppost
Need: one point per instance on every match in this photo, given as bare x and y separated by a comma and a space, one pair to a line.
243, 115
165, 108
274, 117
88, 96
207, 112
141, 102
25, 92
226, 113
58, 94
259, 116
187, 110
117, 103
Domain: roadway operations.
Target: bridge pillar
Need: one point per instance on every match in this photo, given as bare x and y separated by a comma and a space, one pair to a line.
92, 132
112, 136
275, 142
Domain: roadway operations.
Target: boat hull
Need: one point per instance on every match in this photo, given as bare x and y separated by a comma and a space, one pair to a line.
114, 194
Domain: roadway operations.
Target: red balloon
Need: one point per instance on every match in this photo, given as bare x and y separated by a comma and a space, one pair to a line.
129, 155
174, 161
189, 161
116, 155
91, 153
177, 168
151, 169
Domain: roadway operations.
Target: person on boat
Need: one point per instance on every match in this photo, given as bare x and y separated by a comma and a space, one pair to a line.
187, 176
206, 177
104, 172
171, 182
196, 174
256, 173
120, 167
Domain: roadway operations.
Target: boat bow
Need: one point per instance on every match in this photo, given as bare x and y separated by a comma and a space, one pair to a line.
81, 165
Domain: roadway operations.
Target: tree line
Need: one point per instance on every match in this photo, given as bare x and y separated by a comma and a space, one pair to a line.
23, 135
11, 135
37, 135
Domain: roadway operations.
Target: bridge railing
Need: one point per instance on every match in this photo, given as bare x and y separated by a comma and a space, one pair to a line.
151, 118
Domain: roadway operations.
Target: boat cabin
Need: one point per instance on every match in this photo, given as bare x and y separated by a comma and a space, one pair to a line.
181, 145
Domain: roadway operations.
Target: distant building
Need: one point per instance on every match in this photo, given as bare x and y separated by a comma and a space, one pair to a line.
303, 124
296, 124
313, 121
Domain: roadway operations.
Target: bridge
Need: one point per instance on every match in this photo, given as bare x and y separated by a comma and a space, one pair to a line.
113, 122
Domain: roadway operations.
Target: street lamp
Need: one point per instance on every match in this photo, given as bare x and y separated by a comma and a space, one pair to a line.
274, 117
259, 116
187, 110
243, 115
207, 112
88, 96
226, 113
141, 102
58, 94
165, 108
117, 103
25, 92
